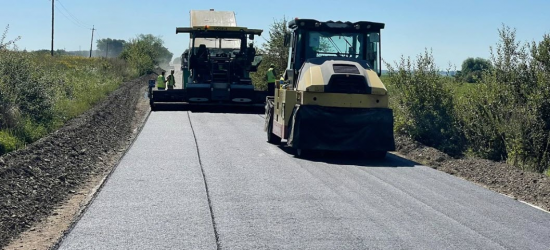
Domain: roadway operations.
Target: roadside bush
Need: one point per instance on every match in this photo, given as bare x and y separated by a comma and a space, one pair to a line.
39, 93
423, 104
504, 116
8, 142
508, 116
23, 94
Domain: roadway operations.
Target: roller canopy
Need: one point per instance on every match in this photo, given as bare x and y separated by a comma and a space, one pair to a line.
329, 25
217, 29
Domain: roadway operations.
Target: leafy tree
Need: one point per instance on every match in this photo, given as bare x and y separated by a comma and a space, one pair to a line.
110, 47
473, 68
422, 104
161, 54
274, 52
145, 52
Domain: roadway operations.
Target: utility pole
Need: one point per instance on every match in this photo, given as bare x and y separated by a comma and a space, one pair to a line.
92, 42
53, 13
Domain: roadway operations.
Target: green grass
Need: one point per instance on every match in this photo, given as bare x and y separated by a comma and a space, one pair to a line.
84, 82
50, 91
8, 142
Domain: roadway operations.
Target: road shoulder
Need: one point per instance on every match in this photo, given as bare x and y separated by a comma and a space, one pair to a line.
529, 187
57, 176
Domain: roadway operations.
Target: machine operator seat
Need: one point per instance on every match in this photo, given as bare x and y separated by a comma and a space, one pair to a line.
202, 52
202, 64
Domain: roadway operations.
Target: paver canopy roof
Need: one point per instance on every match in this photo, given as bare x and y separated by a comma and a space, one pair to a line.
214, 18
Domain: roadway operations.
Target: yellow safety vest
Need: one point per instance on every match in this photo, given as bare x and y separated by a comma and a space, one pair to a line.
171, 80
160, 82
270, 76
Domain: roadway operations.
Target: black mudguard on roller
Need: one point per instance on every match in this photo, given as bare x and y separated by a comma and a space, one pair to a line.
342, 129
268, 110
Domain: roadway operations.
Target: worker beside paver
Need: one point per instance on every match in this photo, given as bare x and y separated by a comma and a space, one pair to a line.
171, 80
270, 77
161, 81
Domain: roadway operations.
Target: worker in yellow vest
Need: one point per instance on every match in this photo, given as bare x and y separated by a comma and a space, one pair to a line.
171, 80
161, 82
270, 77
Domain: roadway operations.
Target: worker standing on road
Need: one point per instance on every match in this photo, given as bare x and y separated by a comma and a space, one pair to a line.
171, 80
270, 77
161, 82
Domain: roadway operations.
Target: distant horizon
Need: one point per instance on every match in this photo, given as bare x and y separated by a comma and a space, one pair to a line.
454, 30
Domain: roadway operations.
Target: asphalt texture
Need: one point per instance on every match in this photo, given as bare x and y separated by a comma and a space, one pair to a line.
211, 181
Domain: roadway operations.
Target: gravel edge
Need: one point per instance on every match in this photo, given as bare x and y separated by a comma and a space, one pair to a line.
530, 187
34, 181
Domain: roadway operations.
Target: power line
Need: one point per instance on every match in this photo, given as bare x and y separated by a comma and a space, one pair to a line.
264, 38
74, 18
72, 21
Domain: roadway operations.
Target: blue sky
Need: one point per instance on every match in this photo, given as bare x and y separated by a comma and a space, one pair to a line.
454, 30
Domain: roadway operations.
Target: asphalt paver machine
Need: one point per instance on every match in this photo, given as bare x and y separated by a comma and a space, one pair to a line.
217, 65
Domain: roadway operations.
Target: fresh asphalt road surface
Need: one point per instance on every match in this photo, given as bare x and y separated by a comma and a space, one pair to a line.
211, 181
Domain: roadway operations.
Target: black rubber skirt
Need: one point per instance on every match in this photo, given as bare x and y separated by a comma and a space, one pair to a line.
342, 129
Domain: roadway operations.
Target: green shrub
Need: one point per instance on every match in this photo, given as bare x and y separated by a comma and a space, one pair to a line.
39, 93
505, 116
8, 142
423, 104
508, 116
30, 131
23, 92
480, 122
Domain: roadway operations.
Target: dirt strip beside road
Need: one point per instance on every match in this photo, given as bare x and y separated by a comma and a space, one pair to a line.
35, 181
526, 186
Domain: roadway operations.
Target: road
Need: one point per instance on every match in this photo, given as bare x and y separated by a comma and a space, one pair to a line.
211, 181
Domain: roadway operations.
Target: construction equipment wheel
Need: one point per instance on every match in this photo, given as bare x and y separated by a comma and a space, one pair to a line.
303, 153
271, 137
152, 105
